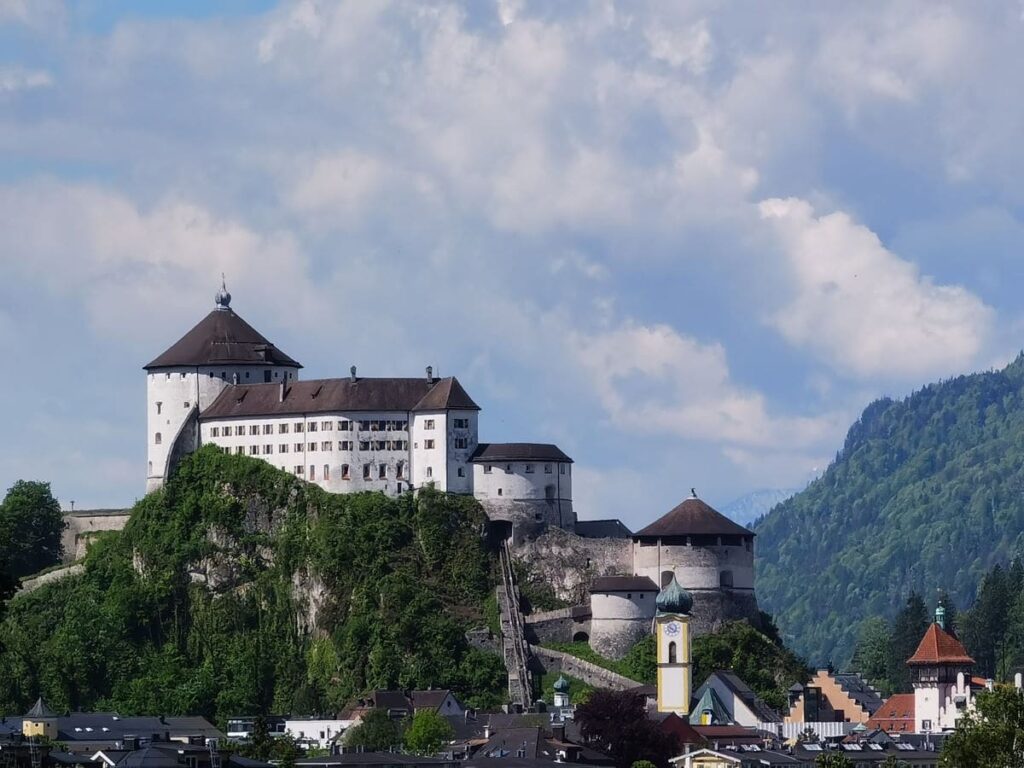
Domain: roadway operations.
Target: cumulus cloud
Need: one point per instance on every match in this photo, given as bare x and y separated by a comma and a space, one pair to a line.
20, 79
652, 379
862, 308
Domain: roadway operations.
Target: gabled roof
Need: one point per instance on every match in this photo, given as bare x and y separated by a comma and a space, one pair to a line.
859, 690
222, 338
496, 452
939, 647
692, 518
623, 584
328, 396
746, 694
447, 394
710, 702
897, 710
602, 529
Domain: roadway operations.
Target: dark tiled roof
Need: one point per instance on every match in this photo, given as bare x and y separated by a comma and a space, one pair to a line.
39, 709
623, 584
428, 699
330, 395
692, 518
444, 395
391, 700
372, 758
860, 691
939, 647
602, 529
222, 338
746, 694
495, 452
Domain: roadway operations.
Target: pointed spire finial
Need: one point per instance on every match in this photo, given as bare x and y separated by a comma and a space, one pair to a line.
223, 298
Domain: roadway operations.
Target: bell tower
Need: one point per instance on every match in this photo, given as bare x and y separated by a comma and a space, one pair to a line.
672, 631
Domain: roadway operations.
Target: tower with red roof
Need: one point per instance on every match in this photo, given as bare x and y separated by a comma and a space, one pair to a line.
941, 675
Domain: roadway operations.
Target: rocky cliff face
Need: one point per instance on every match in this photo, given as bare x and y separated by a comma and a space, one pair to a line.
569, 563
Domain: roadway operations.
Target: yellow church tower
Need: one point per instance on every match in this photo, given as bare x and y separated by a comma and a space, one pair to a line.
672, 631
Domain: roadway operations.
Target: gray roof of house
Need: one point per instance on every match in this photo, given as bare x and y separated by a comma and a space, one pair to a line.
602, 529
858, 689
339, 395
746, 694
497, 452
222, 338
623, 584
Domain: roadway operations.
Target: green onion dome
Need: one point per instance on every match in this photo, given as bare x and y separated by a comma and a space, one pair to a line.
561, 684
674, 599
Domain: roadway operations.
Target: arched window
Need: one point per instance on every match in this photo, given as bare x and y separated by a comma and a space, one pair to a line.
672, 652
158, 439
725, 579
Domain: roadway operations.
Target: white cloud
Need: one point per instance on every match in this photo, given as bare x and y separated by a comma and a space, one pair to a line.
865, 310
20, 79
651, 379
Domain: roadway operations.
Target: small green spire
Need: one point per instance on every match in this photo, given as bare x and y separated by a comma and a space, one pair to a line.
674, 599
561, 684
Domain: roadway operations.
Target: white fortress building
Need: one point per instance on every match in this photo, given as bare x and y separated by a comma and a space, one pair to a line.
224, 384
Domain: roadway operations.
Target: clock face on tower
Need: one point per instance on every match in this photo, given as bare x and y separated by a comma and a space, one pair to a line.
672, 629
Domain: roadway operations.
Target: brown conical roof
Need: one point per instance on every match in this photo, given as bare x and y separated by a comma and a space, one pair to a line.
692, 518
222, 338
939, 647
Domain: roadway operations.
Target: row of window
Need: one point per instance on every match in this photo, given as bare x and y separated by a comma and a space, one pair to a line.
224, 375
327, 445
488, 468
284, 428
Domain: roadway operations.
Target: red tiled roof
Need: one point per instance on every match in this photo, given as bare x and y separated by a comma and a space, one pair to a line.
898, 710
939, 647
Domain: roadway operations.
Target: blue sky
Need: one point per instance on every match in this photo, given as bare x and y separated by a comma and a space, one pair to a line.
685, 242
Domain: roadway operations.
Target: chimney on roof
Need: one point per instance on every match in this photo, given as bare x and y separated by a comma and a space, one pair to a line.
280, 392
430, 374
352, 371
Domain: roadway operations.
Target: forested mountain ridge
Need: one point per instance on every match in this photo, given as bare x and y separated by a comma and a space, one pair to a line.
927, 493
238, 588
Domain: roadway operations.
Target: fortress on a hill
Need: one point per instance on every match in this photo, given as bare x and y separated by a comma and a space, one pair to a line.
224, 384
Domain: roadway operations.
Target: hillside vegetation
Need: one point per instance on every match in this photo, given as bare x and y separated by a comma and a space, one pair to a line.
239, 589
927, 493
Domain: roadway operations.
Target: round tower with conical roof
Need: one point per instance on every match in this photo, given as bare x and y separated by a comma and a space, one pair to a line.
221, 350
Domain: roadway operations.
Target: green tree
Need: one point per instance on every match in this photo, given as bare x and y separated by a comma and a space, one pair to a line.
892, 761
990, 734
907, 631
833, 760
985, 624
428, 732
644, 764
616, 722
873, 651
375, 733
31, 524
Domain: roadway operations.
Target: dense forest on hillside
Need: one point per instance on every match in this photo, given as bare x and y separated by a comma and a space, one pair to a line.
926, 494
238, 588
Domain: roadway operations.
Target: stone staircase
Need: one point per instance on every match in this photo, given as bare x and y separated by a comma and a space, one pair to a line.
515, 649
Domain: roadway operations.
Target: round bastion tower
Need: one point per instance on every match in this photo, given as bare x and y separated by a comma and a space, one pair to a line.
221, 350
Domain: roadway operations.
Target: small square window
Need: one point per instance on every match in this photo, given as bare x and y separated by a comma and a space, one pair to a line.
428, 424
428, 444
529, 469
487, 469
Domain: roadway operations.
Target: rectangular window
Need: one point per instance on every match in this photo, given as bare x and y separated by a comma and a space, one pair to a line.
239, 450
462, 472
158, 407
428, 424
364, 445
282, 429
298, 469
311, 427
344, 472
268, 449
344, 425
268, 429
428, 444
298, 447
312, 446
327, 445
380, 445
282, 448
400, 470
461, 423
326, 426
327, 471
382, 471
239, 430
375, 426
508, 469
254, 450
547, 469
345, 445
430, 471
298, 426
187, 404
214, 431
487, 469
312, 472
529, 469
366, 471
364, 426
561, 469
402, 425
254, 429
461, 442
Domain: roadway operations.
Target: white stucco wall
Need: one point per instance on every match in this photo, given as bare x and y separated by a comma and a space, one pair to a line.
429, 437
513, 480
461, 438
696, 567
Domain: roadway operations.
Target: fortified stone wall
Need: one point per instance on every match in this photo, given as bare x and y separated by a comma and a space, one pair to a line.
565, 625
599, 677
569, 563
82, 527
530, 517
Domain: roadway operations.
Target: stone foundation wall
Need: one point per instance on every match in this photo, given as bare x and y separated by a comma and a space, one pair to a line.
612, 638
569, 563
530, 517
82, 527
561, 626
555, 661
